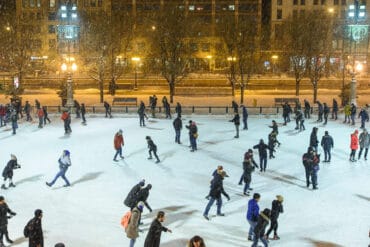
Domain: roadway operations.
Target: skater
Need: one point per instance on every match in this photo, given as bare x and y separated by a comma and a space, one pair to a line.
153, 238
347, 113
236, 121
248, 157
153, 104
307, 109
300, 120
77, 108
152, 148
14, 119
132, 230
27, 110
2, 115
271, 143
108, 109
37, 104
118, 144
83, 112
216, 190
235, 106
215, 173
286, 112
248, 168
45, 109
252, 214
320, 109
334, 111
275, 130
313, 138
177, 125
193, 135
164, 102
64, 163
262, 151
354, 146
66, 117
259, 230
4, 211
8, 171
40, 115
141, 112
178, 109
245, 117
142, 196
364, 117
196, 241
167, 108
276, 210
327, 144
326, 112
33, 230
315, 169
132, 195
353, 113
364, 141
307, 160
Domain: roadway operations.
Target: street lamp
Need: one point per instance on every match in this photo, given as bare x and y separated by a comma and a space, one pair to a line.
209, 58
274, 60
69, 67
136, 60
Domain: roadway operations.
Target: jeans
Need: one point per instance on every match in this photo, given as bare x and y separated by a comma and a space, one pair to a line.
245, 127
353, 119
252, 225
118, 152
177, 138
193, 142
246, 187
314, 179
210, 203
359, 154
237, 130
61, 174
327, 154
273, 227
255, 241
307, 172
263, 162
154, 152
362, 123
142, 121
301, 126
132, 242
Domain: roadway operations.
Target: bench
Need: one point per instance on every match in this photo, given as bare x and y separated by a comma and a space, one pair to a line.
124, 101
280, 101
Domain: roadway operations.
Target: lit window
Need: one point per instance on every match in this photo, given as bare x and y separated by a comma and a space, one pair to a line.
191, 7
232, 7
63, 7
64, 15
74, 15
361, 14
52, 4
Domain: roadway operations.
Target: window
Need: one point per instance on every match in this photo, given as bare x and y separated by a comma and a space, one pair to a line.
323, 2
191, 7
92, 3
279, 14
206, 46
344, 2
52, 4
38, 3
32, 3
336, 2
315, 2
51, 16
100, 3
231, 7
303, 2
51, 29
279, 2
295, 2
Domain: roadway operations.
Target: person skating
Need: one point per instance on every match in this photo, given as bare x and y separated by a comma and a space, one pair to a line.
141, 112
177, 125
286, 112
8, 171
40, 115
259, 230
353, 113
262, 151
14, 119
364, 141
314, 142
275, 129
326, 112
152, 148
307, 160
77, 108
299, 121
142, 196
252, 214
193, 135
353, 146
118, 144
248, 157
307, 109
167, 108
33, 230
235, 106
83, 112
153, 104
130, 200
327, 144
245, 117
364, 116
334, 112
5, 214
215, 194
37, 104
66, 117
248, 168
153, 238
347, 113
45, 109
215, 173
236, 121
315, 170
276, 210
132, 230
320, 109
64, 163
27, 110
271, 143
178, 109
108, 109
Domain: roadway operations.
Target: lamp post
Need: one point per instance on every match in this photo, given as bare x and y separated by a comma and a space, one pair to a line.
353, 92
274, 60
136, 60
69, 67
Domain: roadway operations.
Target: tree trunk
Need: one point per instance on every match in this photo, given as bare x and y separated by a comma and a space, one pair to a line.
101, 90
172, 90
297, 85
233, 88
314, 91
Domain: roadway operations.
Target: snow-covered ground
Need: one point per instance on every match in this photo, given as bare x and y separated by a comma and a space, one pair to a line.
88, 213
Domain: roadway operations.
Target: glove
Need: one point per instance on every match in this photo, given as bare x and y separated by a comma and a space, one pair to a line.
150, 210
228, 198
13, 213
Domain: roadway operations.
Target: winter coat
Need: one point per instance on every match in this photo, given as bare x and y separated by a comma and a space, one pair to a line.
132, 230
335, 105
27, 108
347, 110
83, 109
40, 112
353, 109
326, 109
36, 237
178, 109
354, 141
177, 124
262, 222
118, 141
276, 209
248, 168
4, 211
253, 210
313, 138
307, 105
327, 142
364, 140
320, 107
132, 195
153, 239
245, 113
275, 128
64, 162
262, 149
8, 170
141, 109
217, 187
363, 115
193, 129
151, 145
106, 105
307, 160
142, 196
248, 157
236, 119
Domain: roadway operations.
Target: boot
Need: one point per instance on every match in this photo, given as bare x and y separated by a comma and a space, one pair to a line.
3, 187
8, 239
276, 237
150, 157
11, 184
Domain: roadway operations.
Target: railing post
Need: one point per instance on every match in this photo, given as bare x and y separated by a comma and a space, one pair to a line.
260, 109
126, 109
210, 110
193, 109
227, 110
93, 109
59, 109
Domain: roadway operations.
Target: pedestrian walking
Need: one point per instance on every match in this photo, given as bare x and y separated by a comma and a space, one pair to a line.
33, 230
252, 214
132, 230
262, 151
313, 138
153, 238
5, 214
327, 144
353, 146
364, 141
276, 210
193, 135
236, 121
108, 109
152, 148
83, 112
334, 111
118, 142
45, 109
64, 162
259, 230
245, 117
8, 171
177, 125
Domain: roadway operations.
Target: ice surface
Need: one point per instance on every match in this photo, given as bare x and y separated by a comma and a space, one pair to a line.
88, 213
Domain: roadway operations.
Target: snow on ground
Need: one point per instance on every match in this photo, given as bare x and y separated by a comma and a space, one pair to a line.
88, 213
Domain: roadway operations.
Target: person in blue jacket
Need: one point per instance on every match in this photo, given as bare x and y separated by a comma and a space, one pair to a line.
252, 214
64, 163
364, 117
327, 144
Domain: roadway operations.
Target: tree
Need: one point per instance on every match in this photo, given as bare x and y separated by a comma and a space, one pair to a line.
170, 52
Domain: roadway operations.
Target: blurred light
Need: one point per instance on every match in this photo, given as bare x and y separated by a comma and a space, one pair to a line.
361, 14
362, 7
153, 28
352, 7
74, 15
351, 14
64, 67
274, 57
231, 58
209, 57
136, 59
7, 28
63, 7
359, 67
74, 7
74, 67
331, 10
64, 15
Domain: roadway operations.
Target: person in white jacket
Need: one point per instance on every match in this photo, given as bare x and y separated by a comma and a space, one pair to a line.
64, 163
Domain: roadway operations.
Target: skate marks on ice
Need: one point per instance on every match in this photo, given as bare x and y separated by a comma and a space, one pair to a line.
319, 243
29, 179
363, 197
87, 177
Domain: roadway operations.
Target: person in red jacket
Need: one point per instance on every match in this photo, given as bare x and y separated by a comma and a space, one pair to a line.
2, 115
40, 115
354, 145
66, 117
118, 143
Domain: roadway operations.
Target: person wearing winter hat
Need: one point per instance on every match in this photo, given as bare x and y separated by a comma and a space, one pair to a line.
354, 145
142, 195
130, 200
64, 163
8, 171
276, 209
4, 211
152, 148
259, 230
118, 144
33, 230
364, 141
132, 230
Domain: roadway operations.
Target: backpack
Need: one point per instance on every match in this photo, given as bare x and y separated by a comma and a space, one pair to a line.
28, 228
126, 219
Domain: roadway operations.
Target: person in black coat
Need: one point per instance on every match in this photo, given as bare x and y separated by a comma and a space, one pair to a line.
286, 112
108, 109
27, 110
33, 230
275, 129
307, 109
259, 230
8, 171
152, 148
276, 210
14, 119
45, 109
236, 121
313, 138
177, 125
326, 111
248, 168
353, 113
307, 160
248, 157
4, 211
141, 112
83, 112
77, 108
217, 189
235, 106
321, 111
262, 151
327, 144
334, 112
153, 238
167, 108
142, 196
132, 195
178, 109
245, 117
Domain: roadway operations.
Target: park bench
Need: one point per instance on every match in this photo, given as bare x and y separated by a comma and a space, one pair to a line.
125, 101
280, 101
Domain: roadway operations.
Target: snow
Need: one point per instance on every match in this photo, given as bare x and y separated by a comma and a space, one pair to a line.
88, 213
